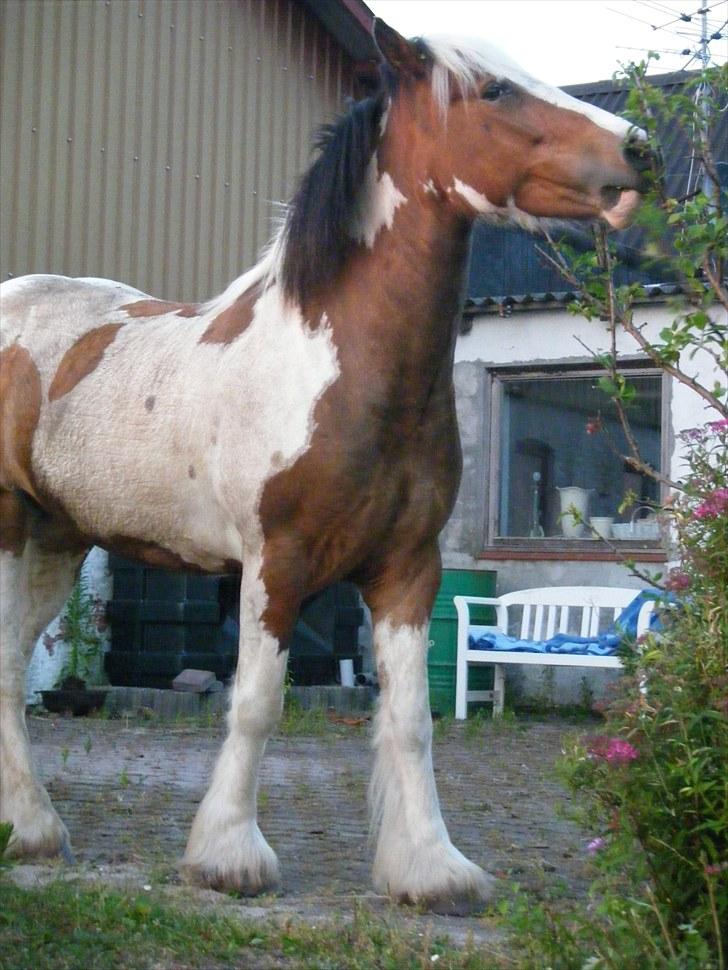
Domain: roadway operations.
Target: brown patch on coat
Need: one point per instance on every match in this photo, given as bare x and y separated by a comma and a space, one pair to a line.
20, 403
81, 359
233, 321
149, 553
25, 509
48, 525
13, 524
158, 308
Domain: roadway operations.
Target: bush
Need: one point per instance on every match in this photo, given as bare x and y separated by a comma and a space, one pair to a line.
653, 787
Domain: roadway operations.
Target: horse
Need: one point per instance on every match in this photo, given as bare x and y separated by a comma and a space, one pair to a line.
298, 429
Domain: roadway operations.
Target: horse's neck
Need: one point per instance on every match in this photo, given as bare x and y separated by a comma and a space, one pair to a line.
403, 295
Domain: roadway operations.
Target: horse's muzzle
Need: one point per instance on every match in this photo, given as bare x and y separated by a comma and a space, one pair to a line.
621, 201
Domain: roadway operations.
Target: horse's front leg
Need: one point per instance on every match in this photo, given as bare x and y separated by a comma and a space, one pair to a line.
415, 860
226, 849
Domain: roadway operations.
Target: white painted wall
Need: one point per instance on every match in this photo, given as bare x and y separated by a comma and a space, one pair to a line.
50, 654
550, 336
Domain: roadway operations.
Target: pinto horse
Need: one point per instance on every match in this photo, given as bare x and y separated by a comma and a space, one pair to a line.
299, 429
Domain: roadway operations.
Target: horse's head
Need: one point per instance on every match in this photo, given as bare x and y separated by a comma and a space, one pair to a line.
495, 142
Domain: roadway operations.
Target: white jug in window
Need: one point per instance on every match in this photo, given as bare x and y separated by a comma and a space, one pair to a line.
573, 497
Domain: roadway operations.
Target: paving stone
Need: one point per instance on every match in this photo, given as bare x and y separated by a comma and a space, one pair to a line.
128, 791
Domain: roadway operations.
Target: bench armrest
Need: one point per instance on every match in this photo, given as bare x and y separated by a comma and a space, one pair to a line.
462, 607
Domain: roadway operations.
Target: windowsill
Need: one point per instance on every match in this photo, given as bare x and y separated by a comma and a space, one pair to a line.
577, 550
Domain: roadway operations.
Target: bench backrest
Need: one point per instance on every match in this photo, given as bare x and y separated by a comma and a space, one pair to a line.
581, 610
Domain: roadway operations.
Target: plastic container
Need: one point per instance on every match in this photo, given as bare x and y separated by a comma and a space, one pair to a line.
444, 631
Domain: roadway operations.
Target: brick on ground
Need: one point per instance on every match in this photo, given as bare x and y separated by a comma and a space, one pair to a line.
194, 681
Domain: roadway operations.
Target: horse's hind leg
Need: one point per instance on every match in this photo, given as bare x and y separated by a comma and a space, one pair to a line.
415, 860
226, 849
34, 585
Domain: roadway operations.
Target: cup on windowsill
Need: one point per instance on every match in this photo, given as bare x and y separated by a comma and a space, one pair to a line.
601, 525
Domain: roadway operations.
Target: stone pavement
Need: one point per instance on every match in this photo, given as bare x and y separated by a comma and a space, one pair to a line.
128, 791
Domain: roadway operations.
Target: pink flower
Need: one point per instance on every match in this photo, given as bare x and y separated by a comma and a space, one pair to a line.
714, 505
614, 751
594, 425
721, 425
715, 868
595, 845
620, 752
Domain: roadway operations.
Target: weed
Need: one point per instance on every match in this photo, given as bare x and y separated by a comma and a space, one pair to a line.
297, 720
6, 832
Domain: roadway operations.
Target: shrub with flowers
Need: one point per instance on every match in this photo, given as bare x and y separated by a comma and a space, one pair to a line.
652, 786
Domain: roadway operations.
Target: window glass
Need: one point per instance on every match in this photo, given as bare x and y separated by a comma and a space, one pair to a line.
560, 432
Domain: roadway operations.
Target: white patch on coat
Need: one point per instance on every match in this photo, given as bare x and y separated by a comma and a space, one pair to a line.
48, 313
464, 62
428, 187
384, 119
117, 451
476, 200
378, 201
159, 403
510, 213
415, 858
263, 272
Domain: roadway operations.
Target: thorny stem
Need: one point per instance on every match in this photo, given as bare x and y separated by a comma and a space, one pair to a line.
636, 333
625, 321
715, 281
716, 922
634, 459
606, 262
663, 925
639, 929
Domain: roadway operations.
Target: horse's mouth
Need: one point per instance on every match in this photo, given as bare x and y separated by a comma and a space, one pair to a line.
619, 205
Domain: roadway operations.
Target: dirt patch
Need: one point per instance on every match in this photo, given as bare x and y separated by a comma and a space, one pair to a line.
128, 793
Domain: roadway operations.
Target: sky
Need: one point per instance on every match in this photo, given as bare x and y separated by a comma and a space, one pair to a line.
569, 41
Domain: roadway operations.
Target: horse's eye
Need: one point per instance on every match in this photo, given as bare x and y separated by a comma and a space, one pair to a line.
495, 90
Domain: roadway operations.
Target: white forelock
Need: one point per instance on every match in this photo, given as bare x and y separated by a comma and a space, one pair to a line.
464, 62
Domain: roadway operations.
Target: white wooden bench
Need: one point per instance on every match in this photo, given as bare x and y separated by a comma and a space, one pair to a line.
584, 611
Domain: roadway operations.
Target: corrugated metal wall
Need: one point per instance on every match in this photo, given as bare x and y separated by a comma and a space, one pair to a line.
144, 140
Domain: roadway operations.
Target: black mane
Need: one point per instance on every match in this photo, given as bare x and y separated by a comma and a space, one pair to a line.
317, 233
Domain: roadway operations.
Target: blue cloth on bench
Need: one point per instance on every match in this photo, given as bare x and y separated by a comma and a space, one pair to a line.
600, 646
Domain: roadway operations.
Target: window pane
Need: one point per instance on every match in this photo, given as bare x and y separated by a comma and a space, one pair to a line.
545, 447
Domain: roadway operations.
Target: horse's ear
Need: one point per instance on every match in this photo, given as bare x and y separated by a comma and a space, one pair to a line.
403, 56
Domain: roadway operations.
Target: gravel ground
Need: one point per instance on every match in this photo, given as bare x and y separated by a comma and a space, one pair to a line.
128, 791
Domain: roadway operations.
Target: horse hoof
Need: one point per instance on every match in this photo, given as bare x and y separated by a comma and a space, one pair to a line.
44, 838
227, 881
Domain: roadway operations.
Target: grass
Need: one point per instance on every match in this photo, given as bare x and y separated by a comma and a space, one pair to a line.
68, 927
297, 721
